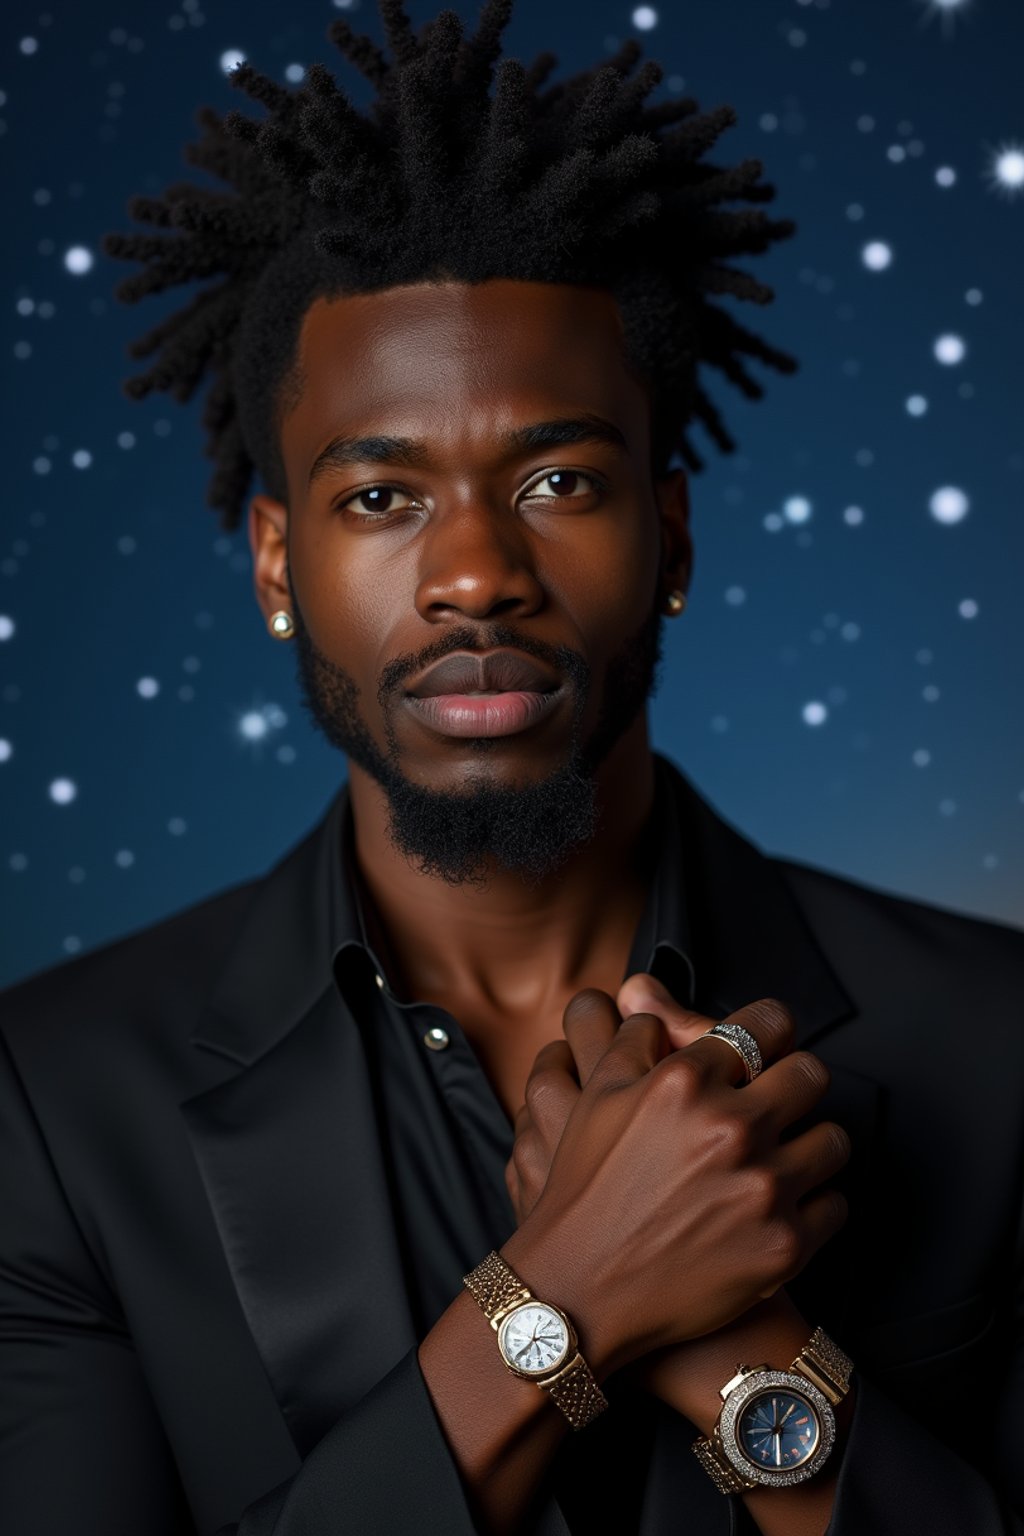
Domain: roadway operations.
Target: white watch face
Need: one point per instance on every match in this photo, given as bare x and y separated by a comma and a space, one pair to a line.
533, 1338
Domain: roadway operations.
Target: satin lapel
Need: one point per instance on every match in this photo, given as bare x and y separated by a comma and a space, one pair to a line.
289, 1155
290, 1158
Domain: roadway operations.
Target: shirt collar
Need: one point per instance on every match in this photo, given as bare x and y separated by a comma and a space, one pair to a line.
749, 935
661, 942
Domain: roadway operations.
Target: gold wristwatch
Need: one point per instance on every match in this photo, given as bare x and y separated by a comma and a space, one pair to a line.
536, 1340
777, 1428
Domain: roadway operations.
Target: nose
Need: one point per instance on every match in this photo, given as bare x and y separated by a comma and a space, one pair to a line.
477, 561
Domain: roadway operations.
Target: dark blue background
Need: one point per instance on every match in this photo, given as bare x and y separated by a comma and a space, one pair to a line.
114, 572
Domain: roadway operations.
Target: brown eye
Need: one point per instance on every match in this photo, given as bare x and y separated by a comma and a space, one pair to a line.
376, 499
564, 484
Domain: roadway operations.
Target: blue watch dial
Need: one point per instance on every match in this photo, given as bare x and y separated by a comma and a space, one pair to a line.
778, 1428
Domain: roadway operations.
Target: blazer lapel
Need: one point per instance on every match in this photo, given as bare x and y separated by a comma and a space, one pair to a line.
289, 1146
289, 1153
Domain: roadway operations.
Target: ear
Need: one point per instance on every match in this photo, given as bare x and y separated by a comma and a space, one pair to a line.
673, 496
268, 541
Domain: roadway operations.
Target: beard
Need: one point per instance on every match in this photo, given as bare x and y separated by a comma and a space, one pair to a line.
459, 835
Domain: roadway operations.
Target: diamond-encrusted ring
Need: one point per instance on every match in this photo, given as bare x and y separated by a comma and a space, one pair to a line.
741, 1041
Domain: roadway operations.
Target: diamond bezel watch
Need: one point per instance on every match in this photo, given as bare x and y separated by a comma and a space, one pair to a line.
819, 1376
567, 1378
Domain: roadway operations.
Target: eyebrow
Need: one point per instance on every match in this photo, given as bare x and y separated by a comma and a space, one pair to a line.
409, 453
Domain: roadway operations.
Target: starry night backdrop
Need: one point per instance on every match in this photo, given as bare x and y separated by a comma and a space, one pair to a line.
846, 685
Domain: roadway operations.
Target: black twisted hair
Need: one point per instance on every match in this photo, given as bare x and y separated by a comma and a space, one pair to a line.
442, 179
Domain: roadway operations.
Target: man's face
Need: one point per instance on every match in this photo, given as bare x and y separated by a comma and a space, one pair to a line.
396, 558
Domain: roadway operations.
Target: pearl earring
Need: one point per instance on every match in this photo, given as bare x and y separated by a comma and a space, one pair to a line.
281, 624
676, 602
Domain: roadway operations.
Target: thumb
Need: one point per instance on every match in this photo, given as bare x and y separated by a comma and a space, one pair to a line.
643, 993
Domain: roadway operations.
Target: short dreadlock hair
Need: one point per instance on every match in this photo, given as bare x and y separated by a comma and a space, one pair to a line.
443, 179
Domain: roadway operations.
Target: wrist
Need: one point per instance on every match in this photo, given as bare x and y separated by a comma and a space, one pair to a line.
778, 1424
537, 1340
688, 1376
556, 1272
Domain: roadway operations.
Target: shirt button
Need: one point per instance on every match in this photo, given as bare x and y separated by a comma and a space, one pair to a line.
379, 979
436, 1039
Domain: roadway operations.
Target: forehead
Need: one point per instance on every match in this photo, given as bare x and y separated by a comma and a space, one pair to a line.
457, 363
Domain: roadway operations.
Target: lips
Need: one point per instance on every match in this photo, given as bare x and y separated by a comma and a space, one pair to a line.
495, 672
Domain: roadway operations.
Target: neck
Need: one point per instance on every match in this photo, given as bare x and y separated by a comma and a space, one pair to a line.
514, 949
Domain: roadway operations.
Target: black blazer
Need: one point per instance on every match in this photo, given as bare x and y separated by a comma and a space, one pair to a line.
203, 1323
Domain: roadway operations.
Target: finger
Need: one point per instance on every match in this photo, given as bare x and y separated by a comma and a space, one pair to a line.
788, 1089
816, 1155
551, 1087
643, 993
639, 990
589, 1031
773, 1028
639, 1044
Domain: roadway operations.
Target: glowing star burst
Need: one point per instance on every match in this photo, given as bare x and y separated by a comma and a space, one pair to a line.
948, 10
256, 724
1006, 170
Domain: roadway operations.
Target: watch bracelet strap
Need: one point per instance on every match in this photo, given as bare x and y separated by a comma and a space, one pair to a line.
576, 1392
574, 1388
718, 1467
495, 1285
824, 1364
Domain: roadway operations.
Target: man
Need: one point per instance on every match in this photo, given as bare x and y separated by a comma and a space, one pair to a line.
405, 1188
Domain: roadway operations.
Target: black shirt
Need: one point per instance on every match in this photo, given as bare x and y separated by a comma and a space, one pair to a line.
448, 1139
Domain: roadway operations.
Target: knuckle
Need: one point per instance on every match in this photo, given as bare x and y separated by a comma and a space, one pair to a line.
678, 1078
760, 1192
734, 1140
536, 1092
524, 1172
523, 1156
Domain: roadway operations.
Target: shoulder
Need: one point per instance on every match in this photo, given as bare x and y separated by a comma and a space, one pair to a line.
151, 979
909, 942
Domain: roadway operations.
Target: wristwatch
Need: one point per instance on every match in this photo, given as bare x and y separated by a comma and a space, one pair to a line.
777, 1428
536, 1340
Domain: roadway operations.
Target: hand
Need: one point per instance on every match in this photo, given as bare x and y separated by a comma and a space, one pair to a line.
564, 1065
778, 1176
